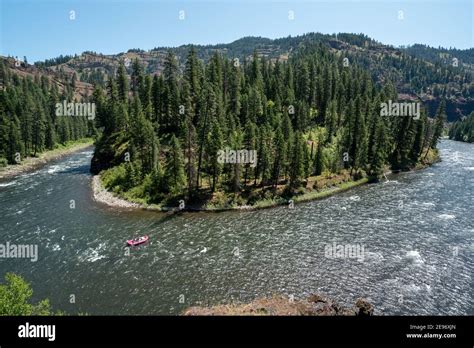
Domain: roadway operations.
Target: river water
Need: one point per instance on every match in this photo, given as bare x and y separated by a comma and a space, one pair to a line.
417, 231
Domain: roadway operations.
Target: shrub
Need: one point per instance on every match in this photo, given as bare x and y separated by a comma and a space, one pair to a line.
115, 177
15, 298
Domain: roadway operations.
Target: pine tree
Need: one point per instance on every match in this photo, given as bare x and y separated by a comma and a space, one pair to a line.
38, 131
137, 76
415, 153
156, 99
359, 144
15, 145
215, 143
143, 138
172, 119
303, 82
297, 161
190, 146
331, 120
122, 82
174, 177
234, 102
379, 149
263, 168
192, 75
318, 163
111, 109
439, 123
250, 143
306, 161
208, 111
4, 125
280, 153
236, 168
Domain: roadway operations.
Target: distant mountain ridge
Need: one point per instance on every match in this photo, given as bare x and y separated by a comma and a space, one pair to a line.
418, 71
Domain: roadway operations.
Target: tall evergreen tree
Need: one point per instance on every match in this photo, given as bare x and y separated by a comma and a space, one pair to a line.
214, 145
318, 163
122, 81
297, 161
172, 119
439, 123
175, 179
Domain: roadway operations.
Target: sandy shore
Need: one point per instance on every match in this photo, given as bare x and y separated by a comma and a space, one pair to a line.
33, 163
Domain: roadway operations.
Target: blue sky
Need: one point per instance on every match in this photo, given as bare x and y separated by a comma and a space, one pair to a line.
40, 29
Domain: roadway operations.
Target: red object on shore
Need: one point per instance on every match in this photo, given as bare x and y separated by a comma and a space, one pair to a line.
137, 241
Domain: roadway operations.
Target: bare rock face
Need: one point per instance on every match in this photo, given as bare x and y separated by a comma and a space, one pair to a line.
314, 305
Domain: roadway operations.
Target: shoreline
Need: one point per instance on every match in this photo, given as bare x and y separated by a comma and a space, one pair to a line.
102, 195
30, 164
279, 305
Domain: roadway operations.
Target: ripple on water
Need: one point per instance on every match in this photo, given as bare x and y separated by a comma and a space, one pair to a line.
409, 265
446, 216
414, 257
92, 254
6, 184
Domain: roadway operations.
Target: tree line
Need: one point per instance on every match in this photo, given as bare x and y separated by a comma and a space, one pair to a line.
463, 130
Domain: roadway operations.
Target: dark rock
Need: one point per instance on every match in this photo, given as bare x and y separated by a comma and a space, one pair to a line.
364, 307
317, 298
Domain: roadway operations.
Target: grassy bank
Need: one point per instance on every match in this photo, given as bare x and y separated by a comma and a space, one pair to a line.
315, 187
32, 163
220, 201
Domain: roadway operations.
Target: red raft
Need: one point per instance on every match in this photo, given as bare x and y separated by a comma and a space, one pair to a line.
137, 241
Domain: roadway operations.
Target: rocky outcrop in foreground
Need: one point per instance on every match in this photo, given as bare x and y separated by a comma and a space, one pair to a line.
279, 305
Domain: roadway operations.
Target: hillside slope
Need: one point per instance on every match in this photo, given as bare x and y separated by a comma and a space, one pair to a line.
418, 72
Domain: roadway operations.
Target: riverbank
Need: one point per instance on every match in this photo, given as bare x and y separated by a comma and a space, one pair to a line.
102, 195
106, 197
34, 163
314, 305
315, 188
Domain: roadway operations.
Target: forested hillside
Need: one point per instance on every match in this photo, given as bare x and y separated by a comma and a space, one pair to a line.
308, 107
463, 130
310, 119
442, 55
28, 121
418, 72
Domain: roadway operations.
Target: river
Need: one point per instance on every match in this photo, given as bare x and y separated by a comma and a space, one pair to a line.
417, 230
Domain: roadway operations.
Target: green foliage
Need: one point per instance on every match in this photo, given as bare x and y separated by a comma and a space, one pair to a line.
463, 130
215, 143
28, 121
15, 297
439, 123
297, 161
174, 177
175, 124
116, 178
318, 166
